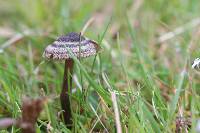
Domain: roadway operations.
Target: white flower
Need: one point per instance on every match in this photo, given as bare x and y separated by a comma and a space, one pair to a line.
196, 63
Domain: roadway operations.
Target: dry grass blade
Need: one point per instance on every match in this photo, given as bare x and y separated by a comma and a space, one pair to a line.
7, 122
88, 23
116, 110
6, 32
98, 118
15, 37
11, 41
192, 24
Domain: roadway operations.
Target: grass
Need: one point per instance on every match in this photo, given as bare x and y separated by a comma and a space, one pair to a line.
153, 81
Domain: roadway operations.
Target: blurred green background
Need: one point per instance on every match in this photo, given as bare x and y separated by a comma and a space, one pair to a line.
148, 47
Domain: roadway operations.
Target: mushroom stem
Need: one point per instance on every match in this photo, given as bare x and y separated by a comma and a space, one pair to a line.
66, 88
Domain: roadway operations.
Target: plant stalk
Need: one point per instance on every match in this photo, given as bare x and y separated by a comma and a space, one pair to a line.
66, 89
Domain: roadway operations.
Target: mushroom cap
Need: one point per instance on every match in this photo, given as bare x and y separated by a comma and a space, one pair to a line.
79, 45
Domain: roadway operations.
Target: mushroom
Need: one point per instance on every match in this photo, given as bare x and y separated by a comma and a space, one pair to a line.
80, 47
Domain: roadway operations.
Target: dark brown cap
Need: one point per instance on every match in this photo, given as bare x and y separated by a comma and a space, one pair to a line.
79, 45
